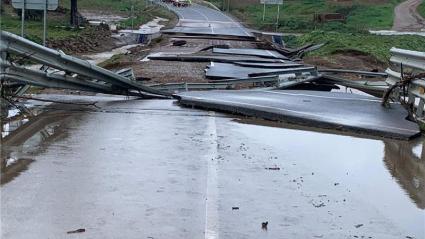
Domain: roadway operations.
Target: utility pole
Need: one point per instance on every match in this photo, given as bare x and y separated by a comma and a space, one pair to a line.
74, 14
277, 17
132, 16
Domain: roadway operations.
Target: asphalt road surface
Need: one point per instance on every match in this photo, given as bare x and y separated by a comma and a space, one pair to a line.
197, 19
407, 18
335, 110
151, 169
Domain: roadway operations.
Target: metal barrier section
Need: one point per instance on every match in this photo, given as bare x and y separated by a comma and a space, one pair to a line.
78, 74
407, 76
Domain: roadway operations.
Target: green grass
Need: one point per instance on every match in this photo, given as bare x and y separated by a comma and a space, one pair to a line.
298, 15
58, 25
34, 29
421, 9
367, 44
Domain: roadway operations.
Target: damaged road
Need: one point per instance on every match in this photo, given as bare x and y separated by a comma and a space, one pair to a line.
103, 157
121, 167
340, 111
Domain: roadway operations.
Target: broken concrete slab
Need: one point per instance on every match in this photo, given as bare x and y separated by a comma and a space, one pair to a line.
268, 65
339, 111
215, 58
199, 31
251, 52
228, 71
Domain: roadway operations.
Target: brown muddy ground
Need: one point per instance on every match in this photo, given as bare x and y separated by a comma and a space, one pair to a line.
92, 39
347, 60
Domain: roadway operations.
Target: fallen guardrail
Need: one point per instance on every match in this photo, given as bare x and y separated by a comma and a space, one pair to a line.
77, 74
272, 82
406, 78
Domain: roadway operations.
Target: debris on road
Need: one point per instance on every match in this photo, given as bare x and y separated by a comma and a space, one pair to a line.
179, 42
358, 225
81, 230
264, 225
273, 168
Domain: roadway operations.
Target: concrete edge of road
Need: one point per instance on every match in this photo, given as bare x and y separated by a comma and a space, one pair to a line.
290, 119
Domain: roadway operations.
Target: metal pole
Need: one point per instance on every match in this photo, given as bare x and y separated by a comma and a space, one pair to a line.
132, 16
45, 23
264, 11
277, 17
228, 5
23, 19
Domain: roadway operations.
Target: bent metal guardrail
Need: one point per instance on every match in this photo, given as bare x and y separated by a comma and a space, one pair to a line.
409, 65
79, 73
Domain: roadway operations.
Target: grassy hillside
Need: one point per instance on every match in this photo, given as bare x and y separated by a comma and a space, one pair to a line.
362, 15
298, 15
421, 9
367, 44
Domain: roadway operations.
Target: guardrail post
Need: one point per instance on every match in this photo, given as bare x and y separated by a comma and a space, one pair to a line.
420, 110
3, 55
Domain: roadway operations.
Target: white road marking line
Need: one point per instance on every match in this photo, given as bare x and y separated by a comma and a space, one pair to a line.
211, 205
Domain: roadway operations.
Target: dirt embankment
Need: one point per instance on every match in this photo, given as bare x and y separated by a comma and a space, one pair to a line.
93, 39
347, 60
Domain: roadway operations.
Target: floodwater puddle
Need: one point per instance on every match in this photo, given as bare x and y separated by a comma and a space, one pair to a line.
24, 134
387, 174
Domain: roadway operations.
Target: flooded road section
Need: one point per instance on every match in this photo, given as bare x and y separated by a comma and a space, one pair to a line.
151, 169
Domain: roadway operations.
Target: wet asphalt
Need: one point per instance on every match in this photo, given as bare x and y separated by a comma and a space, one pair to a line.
198, 19
153, 169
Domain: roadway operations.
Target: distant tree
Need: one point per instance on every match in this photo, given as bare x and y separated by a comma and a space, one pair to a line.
74, 14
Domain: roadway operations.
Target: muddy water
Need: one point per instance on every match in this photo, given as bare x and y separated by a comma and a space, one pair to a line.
150, 169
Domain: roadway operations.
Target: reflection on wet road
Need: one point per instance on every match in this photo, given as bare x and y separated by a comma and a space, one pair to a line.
150, 169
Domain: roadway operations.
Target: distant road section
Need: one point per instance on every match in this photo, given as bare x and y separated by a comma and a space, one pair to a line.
202, 20
407, 18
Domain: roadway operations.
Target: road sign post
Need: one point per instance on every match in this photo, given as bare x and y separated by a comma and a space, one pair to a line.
272, 2
23, 18
44, 5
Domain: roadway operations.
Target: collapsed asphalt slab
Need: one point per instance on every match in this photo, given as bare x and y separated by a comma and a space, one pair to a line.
227, 70
334, 110
251, 52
